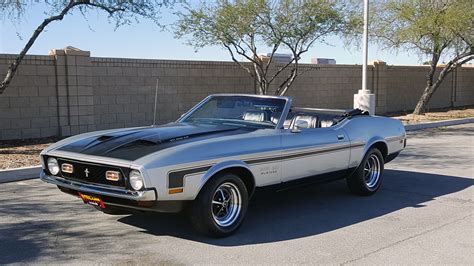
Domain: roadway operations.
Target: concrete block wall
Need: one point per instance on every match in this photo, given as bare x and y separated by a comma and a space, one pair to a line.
405, 84
75, 95
464, 93
329, 86
70, 92
28, 108
124, 89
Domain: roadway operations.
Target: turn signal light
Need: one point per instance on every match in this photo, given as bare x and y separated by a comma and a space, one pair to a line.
67, 168
112, 175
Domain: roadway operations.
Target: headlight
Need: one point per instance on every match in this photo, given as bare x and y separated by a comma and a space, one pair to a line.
53, 166
136, 180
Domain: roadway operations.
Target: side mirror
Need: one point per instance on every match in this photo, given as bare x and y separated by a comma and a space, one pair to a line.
299, 124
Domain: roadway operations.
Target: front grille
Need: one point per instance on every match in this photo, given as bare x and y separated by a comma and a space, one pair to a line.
94, 173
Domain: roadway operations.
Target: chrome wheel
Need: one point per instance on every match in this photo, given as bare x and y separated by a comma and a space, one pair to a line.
226, 204
372, 171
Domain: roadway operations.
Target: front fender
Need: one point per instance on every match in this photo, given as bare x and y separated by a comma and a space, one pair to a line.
223, 166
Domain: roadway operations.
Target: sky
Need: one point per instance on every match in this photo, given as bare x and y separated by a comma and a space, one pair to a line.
147, 40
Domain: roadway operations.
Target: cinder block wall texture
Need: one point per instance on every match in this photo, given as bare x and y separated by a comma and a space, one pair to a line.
70, 92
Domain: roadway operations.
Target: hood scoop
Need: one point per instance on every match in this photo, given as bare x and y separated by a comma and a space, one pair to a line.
104, 138
135, 143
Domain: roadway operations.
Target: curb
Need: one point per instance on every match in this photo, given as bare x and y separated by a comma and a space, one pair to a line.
18, 174
443, 123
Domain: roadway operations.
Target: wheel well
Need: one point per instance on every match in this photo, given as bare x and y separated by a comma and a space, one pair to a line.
244, 174
382, 147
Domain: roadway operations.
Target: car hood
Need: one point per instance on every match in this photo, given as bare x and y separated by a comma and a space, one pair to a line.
132, 144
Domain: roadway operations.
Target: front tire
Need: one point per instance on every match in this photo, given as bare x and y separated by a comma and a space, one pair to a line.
220, 207
367, 178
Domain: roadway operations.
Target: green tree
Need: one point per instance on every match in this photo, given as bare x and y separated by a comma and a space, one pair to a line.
437, 29
244, 27
119, 11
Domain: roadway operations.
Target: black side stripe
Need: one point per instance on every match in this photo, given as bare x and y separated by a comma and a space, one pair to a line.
176, 178
292, 156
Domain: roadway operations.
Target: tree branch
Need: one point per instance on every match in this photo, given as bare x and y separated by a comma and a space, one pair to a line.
281, 69
237, 61
72, 3
110, 10
14, 65
453, 64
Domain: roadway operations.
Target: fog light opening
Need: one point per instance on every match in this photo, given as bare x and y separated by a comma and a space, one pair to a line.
67, 168
112, 175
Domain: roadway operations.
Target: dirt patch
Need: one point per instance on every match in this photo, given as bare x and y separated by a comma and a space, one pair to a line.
436, 115
22, 153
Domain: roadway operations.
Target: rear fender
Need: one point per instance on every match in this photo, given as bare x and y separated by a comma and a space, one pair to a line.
372, 141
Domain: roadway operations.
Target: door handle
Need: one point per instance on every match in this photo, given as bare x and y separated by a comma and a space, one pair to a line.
340, 137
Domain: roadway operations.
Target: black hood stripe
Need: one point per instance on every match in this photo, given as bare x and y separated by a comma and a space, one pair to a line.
136, 143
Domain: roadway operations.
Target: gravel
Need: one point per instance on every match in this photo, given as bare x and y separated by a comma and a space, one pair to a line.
22, 153
438, 115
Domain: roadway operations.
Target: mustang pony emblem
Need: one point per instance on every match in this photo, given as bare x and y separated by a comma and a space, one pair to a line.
86, 172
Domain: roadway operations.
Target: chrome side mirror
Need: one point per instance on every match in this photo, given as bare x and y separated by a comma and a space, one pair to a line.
299, 124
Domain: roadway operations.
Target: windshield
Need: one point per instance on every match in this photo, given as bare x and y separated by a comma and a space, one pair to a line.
239, 110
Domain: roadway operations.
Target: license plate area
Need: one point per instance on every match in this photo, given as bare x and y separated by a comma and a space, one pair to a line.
92, 200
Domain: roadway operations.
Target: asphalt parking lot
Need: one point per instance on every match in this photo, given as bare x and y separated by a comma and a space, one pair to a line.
423, 214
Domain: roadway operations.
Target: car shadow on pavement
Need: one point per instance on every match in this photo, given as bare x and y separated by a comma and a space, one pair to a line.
36, 223
312, 210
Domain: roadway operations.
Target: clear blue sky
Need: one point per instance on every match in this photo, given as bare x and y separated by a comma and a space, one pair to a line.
146, 40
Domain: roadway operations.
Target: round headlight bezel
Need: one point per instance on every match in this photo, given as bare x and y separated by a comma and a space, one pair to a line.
136, 181
53, 166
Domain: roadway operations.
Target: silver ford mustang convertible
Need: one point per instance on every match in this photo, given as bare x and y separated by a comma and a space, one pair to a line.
213, 158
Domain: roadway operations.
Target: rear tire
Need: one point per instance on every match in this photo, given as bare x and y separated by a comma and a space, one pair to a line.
220, 207
367, 178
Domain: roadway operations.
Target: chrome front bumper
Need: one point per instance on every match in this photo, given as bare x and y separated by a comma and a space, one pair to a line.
146, 195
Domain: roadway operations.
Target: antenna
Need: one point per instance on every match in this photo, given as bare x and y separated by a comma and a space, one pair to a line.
156, 100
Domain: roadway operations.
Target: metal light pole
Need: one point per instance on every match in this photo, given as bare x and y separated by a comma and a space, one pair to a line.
365, 40
364, 99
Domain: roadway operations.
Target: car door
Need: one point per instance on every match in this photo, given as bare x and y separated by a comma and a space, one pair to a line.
313, 151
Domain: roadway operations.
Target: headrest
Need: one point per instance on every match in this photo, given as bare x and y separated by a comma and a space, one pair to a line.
257, 116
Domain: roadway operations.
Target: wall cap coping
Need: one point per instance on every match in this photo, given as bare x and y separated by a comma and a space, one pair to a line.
69, 50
